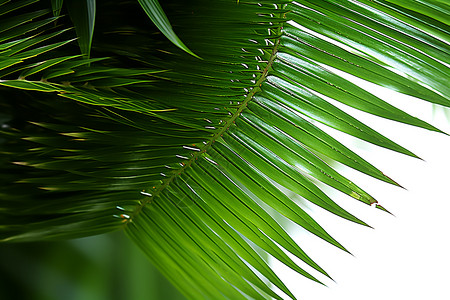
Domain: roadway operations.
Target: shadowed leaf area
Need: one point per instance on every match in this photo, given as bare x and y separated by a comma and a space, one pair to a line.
189, 125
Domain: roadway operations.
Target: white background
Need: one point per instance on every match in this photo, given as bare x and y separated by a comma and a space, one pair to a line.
406, 256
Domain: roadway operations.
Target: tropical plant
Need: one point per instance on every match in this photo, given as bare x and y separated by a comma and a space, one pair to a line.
191, 148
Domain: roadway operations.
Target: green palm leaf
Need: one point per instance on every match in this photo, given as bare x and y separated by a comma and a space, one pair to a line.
191, 157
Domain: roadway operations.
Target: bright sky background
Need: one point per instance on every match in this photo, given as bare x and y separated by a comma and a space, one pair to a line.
403, 257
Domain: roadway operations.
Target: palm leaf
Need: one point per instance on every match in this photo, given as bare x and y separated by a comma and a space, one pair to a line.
192, 156
155, 12
83, 15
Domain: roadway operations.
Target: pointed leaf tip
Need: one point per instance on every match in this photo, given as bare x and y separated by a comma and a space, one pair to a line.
82, 14
383, 209
155, 12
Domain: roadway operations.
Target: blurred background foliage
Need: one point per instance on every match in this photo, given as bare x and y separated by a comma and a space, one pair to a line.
103, 267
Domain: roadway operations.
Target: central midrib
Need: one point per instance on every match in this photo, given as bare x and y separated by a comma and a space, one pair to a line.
256, 88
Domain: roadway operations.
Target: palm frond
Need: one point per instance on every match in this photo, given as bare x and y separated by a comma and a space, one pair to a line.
192, 156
